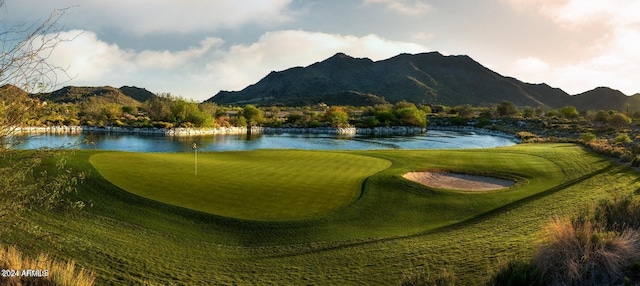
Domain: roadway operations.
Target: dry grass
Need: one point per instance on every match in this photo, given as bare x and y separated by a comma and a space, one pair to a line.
583, 252
49, 271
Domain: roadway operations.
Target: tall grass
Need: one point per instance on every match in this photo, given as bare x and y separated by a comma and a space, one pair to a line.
583, 252
446, 277
51, 272
619, 214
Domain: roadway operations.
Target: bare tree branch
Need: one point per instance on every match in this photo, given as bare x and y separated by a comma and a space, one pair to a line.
25, 51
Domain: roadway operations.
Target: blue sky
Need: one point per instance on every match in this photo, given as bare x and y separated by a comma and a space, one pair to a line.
194, 48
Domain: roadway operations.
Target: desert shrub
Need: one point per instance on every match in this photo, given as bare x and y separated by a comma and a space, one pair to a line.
623, 138
58, 273
583, 252
483, 122
626, 157
423, 278
602, 146
618, 214
635, 162
458, 121
517, 273
587, 137
526, 136
162, 124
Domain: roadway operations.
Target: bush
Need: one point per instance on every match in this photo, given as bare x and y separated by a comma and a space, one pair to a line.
162, 124
517, 273
623, 138
635, 162
582, 252
619, 214
587, 137
526, 135
422, 278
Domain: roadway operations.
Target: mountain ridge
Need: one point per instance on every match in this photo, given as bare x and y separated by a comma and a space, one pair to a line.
427, 78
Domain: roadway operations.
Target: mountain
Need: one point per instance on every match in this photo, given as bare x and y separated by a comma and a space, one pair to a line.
125, 95
429, 78
10, 90
607, 99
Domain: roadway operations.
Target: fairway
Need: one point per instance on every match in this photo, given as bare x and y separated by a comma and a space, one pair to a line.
262, 185
315, 217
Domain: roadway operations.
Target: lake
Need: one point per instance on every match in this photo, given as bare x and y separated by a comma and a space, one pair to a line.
140, 143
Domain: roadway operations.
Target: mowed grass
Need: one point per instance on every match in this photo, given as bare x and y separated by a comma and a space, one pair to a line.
395, 226
262, 185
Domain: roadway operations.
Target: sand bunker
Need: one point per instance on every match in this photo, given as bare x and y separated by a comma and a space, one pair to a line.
458, 181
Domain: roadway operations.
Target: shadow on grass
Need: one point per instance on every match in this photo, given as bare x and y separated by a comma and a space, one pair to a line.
455, 226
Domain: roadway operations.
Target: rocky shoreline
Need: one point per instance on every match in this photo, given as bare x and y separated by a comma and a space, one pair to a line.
186, 132
393, 130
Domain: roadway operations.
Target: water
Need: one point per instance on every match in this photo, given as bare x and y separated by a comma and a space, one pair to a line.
140, 143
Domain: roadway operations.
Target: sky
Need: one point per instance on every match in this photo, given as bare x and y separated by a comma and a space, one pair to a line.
195, 48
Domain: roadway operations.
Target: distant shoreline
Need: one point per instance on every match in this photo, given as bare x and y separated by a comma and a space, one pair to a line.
186, 132
180, 131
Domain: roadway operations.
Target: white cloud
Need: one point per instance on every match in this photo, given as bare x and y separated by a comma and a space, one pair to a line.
613, 61
199, 72
407, 7
245, 64
530, 65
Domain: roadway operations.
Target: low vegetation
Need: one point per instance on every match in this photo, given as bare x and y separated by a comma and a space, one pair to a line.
598, 247
18, 270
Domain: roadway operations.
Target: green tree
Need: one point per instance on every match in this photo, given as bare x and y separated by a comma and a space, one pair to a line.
528, 112
601, 117
409, 115
587, 137
253, 115
158, 108
465, 111
569, 112
619, 120
336, 117
507, 109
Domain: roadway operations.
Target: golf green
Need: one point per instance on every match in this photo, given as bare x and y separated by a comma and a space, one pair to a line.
267, 185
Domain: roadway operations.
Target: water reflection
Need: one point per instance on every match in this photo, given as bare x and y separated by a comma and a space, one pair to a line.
139, 143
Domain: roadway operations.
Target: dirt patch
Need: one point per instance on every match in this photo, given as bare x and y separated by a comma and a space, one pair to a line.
453, 181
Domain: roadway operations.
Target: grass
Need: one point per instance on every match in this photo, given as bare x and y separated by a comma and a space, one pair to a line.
262, 185
394, 227
45, 270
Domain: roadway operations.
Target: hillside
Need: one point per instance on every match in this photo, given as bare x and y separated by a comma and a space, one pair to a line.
606, 98
430, 78
9, 90
125, 95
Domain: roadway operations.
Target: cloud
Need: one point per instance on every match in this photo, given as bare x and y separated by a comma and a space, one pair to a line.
406, 7
612, 61
245, 64
531, 66
157, 16
201, 71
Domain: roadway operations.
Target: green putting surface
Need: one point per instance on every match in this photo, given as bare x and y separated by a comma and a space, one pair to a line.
262, 185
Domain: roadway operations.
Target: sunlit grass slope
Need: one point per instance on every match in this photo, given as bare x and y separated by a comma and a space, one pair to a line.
261, 185
394, 226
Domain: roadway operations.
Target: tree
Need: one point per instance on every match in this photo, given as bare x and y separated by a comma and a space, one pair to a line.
569, 112
253, 115
24, 63
336, 117
465, 111
601, 117
26, 50
619, 120
409, 115
507, 109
